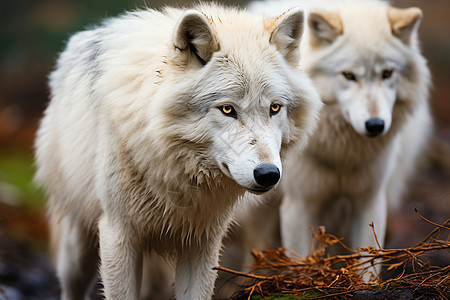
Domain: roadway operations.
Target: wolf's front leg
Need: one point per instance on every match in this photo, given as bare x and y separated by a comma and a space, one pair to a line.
121, 262
194, 279
295, 221
374, 210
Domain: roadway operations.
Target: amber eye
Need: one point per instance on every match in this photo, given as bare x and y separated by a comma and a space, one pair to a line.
228, 110
387, 73
274, 108
349, 76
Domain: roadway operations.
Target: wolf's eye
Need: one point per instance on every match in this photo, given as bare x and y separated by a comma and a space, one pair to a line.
387, 74
274, 108
349, 76
228, 110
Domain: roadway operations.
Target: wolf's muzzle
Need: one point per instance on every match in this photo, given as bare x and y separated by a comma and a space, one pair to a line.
266, 175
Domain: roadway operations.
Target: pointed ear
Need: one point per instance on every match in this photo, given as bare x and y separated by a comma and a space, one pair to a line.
287, 31
325, 27
194, 37
404, 22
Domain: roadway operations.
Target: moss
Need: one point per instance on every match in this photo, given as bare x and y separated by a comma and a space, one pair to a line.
304, 296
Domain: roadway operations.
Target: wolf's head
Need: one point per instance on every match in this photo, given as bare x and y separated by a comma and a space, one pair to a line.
240, 98
362, 59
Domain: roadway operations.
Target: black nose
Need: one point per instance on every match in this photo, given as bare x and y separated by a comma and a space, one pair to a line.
374, 127
266, 175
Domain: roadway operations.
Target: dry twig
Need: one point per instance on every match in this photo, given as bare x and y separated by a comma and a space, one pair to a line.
285, 272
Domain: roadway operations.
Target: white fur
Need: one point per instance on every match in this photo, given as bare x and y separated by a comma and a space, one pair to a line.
134, 150
345, 180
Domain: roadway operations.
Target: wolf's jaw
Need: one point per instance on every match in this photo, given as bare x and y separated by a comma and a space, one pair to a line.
258, 191
226, 170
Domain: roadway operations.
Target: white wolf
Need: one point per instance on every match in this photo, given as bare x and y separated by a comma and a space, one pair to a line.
364, 60
158, 122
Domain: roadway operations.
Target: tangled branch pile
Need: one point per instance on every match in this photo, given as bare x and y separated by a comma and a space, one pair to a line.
320, 276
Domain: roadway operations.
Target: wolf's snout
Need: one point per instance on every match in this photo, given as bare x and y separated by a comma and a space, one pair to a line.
266, 175
374, 127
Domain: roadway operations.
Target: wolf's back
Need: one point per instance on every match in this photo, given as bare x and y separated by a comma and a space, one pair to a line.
67, 134
90, 74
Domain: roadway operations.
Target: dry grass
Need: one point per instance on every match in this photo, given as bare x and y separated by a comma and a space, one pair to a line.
342, 275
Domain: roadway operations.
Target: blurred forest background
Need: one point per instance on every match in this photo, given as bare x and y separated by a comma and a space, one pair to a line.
33, 32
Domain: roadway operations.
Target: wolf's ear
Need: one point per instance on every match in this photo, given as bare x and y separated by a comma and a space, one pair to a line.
325, 27
287, 31
194, 37
404, 22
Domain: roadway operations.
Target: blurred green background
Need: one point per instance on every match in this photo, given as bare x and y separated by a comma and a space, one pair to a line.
32, 33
